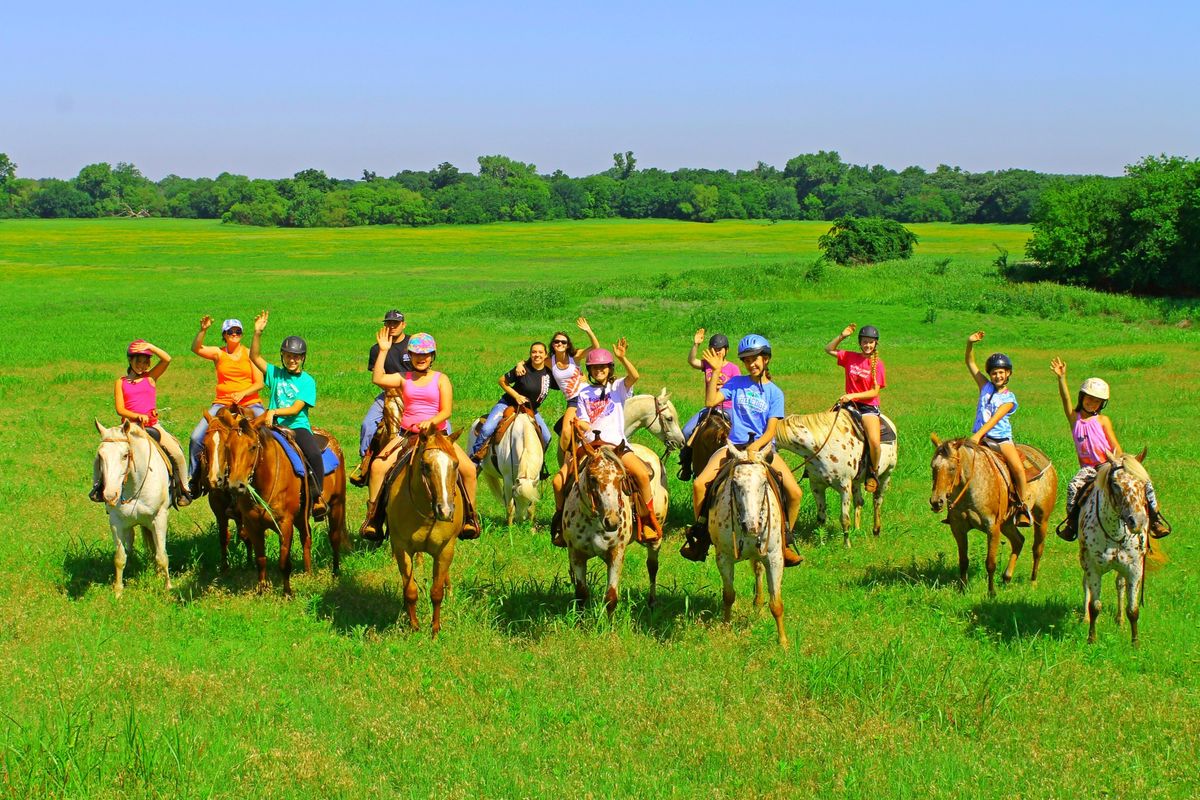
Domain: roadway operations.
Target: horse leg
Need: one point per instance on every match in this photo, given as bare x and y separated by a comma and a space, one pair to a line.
222, 534
877, 503
993, 555
960, 538
160, 546
774, 570
759, 596
652, 551
1119, 610
409, 584
616, 562
1040, 526
1091, 599
725, 565
847, 495
579, 574
818, 488
438, 584
287, 532
1134, 588
858, 505
1016, 541
258, 536
123, 544
338, 535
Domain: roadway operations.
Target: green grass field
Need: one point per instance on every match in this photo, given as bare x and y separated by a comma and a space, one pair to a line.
896, 684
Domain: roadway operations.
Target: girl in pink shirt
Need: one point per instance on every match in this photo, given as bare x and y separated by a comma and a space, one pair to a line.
428, 404
865, 379
1095, 443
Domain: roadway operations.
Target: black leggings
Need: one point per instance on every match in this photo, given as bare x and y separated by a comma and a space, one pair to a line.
312, 453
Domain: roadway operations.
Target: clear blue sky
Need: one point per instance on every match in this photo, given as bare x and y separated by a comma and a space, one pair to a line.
267, 89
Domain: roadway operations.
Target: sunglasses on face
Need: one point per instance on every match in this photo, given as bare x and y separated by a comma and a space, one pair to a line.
558, 342
234, 332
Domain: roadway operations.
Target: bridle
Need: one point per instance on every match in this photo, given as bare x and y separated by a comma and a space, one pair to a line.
734, 516
128, 466
1111, 489
659, 408
589, 491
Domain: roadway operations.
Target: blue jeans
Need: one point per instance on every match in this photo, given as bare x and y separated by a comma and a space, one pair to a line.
493, 421
690, 427
370, 424
197, 443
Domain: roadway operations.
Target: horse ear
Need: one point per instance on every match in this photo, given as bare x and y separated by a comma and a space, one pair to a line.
933, 437
1141, 456
125, 426
664, 394
208, 417
454, 436
99, 427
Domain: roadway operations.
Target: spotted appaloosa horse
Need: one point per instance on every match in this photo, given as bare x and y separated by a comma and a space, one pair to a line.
1114, 534
425, 515
598, 518
745, 521
971, 483
136, 487
833, 451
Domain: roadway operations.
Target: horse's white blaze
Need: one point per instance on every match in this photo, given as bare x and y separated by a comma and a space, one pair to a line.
214, 466
444, 494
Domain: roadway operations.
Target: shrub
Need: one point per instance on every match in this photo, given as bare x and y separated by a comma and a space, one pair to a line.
866, 240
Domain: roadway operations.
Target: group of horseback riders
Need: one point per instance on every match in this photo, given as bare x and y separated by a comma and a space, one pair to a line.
749, 403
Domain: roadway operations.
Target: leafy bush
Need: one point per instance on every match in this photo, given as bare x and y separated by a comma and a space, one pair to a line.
866, 240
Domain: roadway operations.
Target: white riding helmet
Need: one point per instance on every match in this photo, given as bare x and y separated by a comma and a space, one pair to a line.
1094, 387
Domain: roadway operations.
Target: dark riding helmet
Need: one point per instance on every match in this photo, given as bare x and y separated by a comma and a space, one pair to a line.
999, 361
294, 345
868, 332
718, 341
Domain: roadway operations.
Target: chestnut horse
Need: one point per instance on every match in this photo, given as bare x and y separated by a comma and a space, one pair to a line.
220, 499
425, 515
259, 474
978, 482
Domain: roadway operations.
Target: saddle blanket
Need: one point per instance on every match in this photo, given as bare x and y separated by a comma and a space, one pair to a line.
328, 458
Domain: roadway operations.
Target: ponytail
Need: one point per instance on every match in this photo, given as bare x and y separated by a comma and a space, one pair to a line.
874, 362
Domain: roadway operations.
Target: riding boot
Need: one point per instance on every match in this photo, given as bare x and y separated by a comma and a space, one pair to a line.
319, 509
470, 527
649, 520
1068, 529
182, 497
1159, 527
372, 525
685, 463
362, 473
790, 557
556, 529
698, 541
1021, 516
196, 487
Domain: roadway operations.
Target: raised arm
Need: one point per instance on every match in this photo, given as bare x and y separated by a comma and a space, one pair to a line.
712, 386
832, 347
379, 374
693, 360
164, 360
1059, 368
980, 379
631, 373
198, 346
260, 325
583, 325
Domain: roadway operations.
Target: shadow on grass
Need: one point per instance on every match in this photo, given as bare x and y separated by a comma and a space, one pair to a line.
932, 572
1014, 620
352, 606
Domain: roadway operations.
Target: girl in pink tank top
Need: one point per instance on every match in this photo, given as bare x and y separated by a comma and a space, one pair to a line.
1095, 443
428, 403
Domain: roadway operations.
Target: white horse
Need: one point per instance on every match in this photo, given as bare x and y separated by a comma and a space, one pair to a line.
745, 521
1114, 528
137, 492
656, 413
833, 450
514, 473
598, 520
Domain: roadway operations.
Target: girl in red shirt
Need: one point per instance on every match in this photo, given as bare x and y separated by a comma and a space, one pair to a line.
865, 379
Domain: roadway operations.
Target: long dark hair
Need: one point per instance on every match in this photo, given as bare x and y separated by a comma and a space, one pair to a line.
571, 351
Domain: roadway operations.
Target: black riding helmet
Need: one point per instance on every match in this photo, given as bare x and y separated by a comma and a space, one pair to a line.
999, 361
294, 345
868, 332
718, 341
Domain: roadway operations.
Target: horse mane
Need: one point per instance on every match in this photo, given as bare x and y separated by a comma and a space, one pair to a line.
1135, 467
820, 424
440, 441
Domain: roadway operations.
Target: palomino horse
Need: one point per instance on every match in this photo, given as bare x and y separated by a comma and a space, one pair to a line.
1114, 528
259, 474
745, 521
220, 500
136, 488
425, 515
833, 451
514, 466
977, 480
654, 412
599, 515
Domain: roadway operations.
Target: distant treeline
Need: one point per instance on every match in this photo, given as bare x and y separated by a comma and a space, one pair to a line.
816, 186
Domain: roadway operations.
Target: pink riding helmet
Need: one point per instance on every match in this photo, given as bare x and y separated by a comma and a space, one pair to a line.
600, 357
137, 348
421, 343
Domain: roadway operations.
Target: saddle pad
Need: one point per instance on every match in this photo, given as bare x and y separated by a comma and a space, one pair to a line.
887, 433
328, 457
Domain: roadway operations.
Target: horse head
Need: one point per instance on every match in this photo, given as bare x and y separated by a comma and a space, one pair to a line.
601, 482
668, 421
438, 463
243, 448
748, 485
213, 459
114, 458
946, 469
1126, 489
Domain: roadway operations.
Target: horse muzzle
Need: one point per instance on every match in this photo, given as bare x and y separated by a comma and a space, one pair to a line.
444, 512
611, 522
936, 504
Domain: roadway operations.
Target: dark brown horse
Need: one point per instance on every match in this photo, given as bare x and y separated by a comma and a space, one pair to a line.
270, 496
973, 486
710, 436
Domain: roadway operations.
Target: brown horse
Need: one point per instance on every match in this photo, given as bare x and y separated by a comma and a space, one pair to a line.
709, 437
425, 515
269, 496
972, 484
212, 467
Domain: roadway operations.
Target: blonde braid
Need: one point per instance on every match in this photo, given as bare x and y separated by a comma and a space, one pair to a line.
874, 360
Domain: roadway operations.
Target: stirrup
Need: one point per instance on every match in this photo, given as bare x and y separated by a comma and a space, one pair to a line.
1067, 531
1159, 527
698, 542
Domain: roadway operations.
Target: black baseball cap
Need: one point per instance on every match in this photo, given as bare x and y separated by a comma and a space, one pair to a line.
393, 316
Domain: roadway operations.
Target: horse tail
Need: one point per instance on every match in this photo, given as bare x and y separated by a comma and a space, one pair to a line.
1156, 558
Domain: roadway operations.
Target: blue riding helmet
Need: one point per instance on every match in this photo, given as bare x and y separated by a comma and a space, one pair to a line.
752, 345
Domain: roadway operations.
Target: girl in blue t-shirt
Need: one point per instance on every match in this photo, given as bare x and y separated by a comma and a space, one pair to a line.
292, 392
756, 412
995, 405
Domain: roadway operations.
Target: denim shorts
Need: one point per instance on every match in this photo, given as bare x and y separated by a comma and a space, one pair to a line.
867, 408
